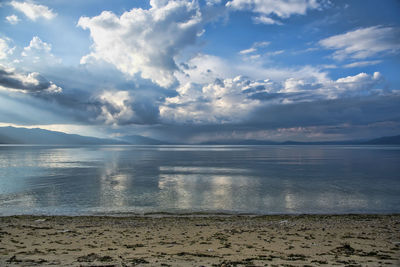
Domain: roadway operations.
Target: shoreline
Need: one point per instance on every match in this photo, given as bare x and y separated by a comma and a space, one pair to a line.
200, 215
201, 240
162, 214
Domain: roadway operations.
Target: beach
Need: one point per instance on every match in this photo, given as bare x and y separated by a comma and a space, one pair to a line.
201, 240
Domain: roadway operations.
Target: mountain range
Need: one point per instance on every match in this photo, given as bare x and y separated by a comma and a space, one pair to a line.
13, 135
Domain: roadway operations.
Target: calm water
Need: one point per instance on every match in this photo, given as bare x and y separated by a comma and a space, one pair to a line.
249, 179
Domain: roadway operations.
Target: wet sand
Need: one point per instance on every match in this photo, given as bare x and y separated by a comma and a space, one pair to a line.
160, 240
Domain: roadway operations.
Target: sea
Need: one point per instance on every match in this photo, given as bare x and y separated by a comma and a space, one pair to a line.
124, 180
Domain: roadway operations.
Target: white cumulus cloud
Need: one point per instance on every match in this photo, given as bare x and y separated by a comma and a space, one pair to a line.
279, 8
116, 107
37, 44
222, 101
363, 43
145, 41
33, 11
39, 51
5, 49
12, 19
233, 100
358, 85
359, 82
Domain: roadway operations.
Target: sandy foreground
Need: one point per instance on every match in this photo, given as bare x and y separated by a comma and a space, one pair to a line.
308, 240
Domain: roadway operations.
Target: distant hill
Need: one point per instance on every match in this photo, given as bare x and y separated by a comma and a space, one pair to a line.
240, 142
266, 142
387, 140
141, 140
12, 135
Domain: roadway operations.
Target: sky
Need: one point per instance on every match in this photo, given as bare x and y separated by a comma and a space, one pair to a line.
206, 70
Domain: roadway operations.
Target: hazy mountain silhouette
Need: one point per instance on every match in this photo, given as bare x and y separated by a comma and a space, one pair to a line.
266, 142
387, 140
141, 140
12, 135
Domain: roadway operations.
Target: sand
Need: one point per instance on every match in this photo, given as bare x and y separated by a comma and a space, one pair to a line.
155, 240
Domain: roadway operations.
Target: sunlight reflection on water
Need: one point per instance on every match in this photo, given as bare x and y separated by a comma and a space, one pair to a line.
250, 179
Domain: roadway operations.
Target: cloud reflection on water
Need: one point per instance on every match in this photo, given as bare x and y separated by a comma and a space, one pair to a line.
72, 180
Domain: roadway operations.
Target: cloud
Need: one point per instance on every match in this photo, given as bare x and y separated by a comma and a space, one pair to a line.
29, 83
33, 11
39, 52
204, 68
254, 48
266, 20
232, 100
12, 19
248, 51
36, 44
256, 54
202, 99
280, 8
274, 53
324, 119
219, 102
83, 96
147, 42
362, 64
364, 43
213, 2
353, 111
360, 82
5, 49
123, 107
115, 107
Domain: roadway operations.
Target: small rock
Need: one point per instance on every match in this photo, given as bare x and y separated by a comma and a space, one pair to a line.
64, 231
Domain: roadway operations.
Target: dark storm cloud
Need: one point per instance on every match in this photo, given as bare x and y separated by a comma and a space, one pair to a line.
32, 82
82, 88
355, 110
380, 111
146, 110
98, 109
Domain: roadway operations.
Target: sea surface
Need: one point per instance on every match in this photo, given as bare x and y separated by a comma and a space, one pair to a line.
115, 180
